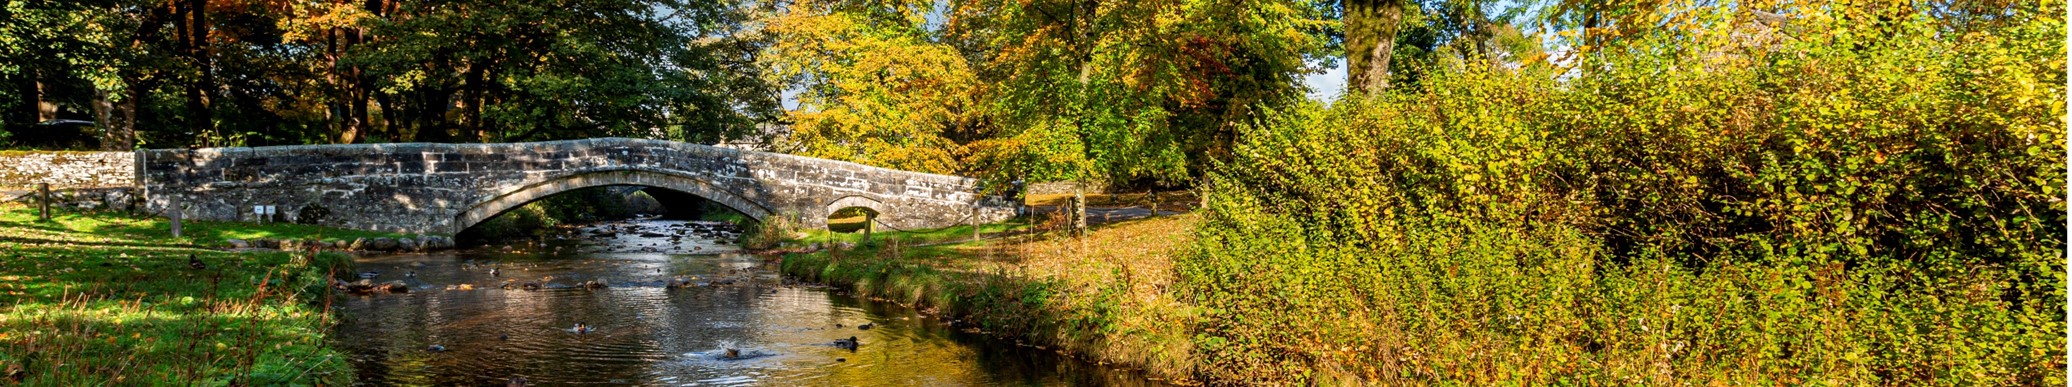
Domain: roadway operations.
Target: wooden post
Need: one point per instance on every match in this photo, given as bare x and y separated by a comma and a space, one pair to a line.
870, 222
1154, 203
173, 211
1078, 215
974, 223
43, 206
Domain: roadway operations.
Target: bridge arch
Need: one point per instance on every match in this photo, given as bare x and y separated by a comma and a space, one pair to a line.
873, 206
867, 203
482, 211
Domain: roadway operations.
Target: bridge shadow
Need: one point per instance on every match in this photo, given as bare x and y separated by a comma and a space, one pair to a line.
598, 204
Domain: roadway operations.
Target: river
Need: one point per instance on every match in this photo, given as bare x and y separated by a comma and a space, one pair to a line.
677, 306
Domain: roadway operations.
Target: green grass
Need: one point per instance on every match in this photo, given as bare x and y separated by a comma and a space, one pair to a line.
109, 299
910, 237
116, 229
732, 217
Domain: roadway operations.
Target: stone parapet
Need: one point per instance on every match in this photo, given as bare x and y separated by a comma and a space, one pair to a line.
24, 170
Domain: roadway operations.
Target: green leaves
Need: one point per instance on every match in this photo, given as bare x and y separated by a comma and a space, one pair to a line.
874, 84
1680, 208
1129, 91
217, 73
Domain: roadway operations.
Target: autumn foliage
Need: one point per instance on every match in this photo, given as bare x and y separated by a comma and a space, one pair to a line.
1839, 196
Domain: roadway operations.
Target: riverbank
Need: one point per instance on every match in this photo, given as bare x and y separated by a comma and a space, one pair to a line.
1102, 298
110, 298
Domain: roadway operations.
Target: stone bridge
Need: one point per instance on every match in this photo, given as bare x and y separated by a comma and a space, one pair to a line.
445, 188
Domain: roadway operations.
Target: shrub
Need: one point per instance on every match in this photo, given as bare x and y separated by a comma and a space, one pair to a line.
768, 233
522, 222
1866, 202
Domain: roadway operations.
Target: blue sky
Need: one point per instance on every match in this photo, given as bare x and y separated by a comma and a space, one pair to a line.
1326, 86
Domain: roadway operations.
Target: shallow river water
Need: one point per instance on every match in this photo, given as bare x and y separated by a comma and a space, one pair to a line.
459, 325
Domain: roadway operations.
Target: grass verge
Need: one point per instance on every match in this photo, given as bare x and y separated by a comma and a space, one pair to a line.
1102, 297
107, 298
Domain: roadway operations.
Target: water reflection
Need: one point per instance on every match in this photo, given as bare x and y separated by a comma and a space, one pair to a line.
648, 333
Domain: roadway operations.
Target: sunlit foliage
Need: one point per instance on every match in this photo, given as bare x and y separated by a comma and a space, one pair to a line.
1735, 194
873, 83
1130, 91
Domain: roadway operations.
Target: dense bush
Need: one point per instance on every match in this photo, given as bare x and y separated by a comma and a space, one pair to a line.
765, 234
1847, 200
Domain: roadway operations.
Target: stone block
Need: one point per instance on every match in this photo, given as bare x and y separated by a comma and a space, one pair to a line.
382, 244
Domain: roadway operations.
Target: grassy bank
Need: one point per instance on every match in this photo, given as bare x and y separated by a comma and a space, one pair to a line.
1686, 206
847, 233
1102, 297
107, 298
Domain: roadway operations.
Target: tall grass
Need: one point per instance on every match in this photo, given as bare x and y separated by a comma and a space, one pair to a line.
1834, 208
772, 231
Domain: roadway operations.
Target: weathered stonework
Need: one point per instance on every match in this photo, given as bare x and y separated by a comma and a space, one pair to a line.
22, 171
81, 199
445, 188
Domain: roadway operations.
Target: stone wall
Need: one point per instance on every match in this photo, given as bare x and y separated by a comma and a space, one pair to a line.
22, 171
81, 199
444, 188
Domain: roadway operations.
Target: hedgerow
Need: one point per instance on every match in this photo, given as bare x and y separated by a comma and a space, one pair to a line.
1831, 199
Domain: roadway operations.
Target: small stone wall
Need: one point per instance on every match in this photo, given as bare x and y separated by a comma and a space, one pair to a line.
23, 171
82, 199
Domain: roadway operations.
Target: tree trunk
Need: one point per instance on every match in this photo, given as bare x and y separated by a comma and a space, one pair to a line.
335, 75
1370, 41
104, 117
393, 116
121, 125
27, 111
199, 118
472, 99
126, 128
45, 109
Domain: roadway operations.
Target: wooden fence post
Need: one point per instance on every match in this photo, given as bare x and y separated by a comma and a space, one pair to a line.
1078, 215
43, 206
173, 210
1154, 203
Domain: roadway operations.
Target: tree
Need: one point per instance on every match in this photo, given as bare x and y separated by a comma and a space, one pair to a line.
873, 84
526, 71
246, 72
1147, 92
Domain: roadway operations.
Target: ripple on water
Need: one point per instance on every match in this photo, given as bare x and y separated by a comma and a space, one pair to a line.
648, 334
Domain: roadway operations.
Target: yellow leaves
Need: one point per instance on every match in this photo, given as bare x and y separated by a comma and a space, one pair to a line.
877, 92
311, 20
